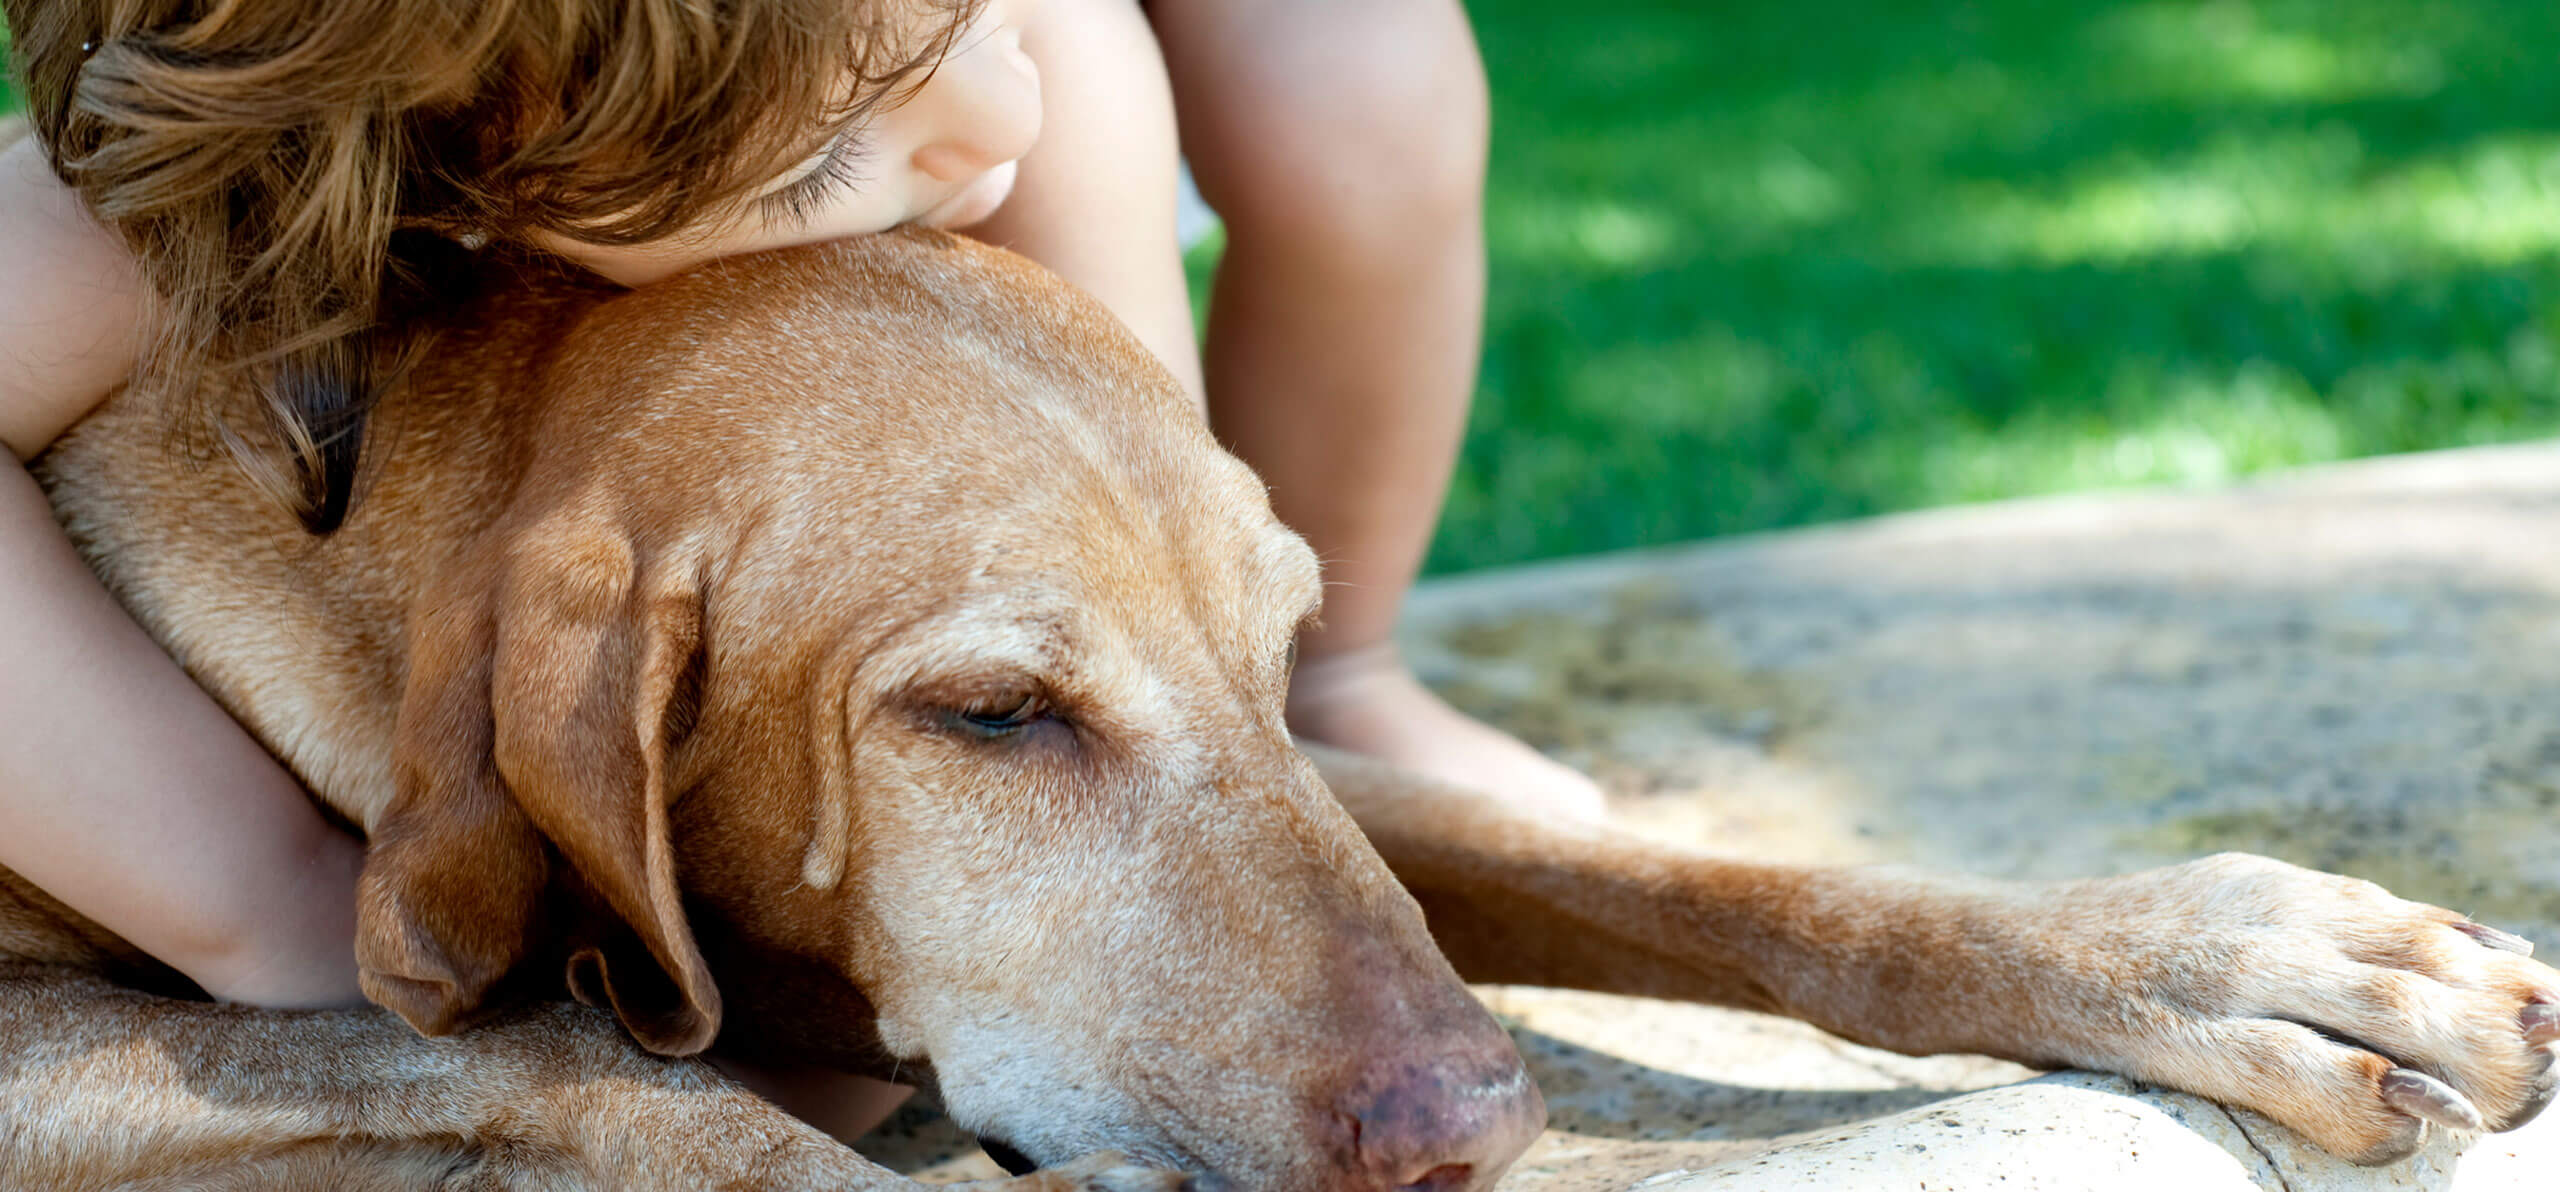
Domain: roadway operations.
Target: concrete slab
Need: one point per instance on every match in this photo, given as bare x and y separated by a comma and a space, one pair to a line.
2355, 668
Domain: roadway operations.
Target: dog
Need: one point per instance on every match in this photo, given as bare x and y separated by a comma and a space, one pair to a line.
862, 654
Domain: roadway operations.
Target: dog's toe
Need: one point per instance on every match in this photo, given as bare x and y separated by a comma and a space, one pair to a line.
2540, 1022
2353, 1016
2459, 1008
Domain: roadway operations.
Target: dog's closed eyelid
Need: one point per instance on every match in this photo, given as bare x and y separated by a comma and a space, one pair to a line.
1003, 716
982, 709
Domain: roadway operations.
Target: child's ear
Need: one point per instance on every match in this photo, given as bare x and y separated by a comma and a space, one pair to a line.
536, 723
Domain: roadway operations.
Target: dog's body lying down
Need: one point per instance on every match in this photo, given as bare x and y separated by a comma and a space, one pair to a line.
862, 655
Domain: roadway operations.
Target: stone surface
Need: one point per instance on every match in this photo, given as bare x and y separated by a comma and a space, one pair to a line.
2352, 668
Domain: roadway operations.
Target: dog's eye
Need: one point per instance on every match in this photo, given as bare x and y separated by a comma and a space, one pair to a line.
1000, 718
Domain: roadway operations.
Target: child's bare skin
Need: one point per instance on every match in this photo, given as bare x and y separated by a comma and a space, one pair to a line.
1344, 143
125, 790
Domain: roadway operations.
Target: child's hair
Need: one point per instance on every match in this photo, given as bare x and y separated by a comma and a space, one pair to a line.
286, 171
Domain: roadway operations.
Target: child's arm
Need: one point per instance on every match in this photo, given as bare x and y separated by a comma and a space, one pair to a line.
125, 791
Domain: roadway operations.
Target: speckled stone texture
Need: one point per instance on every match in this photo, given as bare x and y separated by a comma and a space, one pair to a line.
2355, 668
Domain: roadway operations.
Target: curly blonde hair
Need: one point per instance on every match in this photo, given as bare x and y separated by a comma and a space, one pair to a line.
288, 172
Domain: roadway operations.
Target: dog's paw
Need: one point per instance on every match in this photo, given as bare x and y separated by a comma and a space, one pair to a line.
1105, 1172
2355, 1017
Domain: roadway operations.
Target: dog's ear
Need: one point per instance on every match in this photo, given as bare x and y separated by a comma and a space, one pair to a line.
541, 714
454, 873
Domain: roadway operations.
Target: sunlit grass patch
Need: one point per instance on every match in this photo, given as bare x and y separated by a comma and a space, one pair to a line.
2273, 51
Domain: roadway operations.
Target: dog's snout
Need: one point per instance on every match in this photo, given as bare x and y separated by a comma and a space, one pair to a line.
1426, 1129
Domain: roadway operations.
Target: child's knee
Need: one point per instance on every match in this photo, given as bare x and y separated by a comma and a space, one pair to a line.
1376, 114
1410, 97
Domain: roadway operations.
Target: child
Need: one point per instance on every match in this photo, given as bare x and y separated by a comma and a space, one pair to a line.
237, 173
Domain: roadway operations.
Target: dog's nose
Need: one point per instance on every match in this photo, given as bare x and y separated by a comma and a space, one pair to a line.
1445, 1127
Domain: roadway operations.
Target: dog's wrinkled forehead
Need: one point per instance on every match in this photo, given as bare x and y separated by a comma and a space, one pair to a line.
991, 450
923, 368
1096, 590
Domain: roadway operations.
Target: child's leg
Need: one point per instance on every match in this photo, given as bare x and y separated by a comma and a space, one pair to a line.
1343, 142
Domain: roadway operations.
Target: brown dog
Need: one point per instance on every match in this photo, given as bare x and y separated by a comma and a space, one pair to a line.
862, 654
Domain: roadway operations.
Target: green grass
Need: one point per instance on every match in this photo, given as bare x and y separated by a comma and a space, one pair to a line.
1759, 263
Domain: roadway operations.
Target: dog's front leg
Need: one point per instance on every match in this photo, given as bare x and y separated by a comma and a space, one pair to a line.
2326, 1003
101, 1086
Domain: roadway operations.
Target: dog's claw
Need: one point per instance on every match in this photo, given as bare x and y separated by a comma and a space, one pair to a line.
2541, 1022
2429, 1099
2491, 937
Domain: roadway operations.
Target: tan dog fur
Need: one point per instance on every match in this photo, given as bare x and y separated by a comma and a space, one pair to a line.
643, 665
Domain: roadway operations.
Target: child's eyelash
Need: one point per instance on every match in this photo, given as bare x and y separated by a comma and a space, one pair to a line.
797, 203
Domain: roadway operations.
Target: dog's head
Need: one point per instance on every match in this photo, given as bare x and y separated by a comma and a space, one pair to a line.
876, 643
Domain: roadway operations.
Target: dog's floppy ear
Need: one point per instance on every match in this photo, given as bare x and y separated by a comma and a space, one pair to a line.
540, 714
454, 873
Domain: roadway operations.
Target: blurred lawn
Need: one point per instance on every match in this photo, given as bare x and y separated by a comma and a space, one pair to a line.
1765, 262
